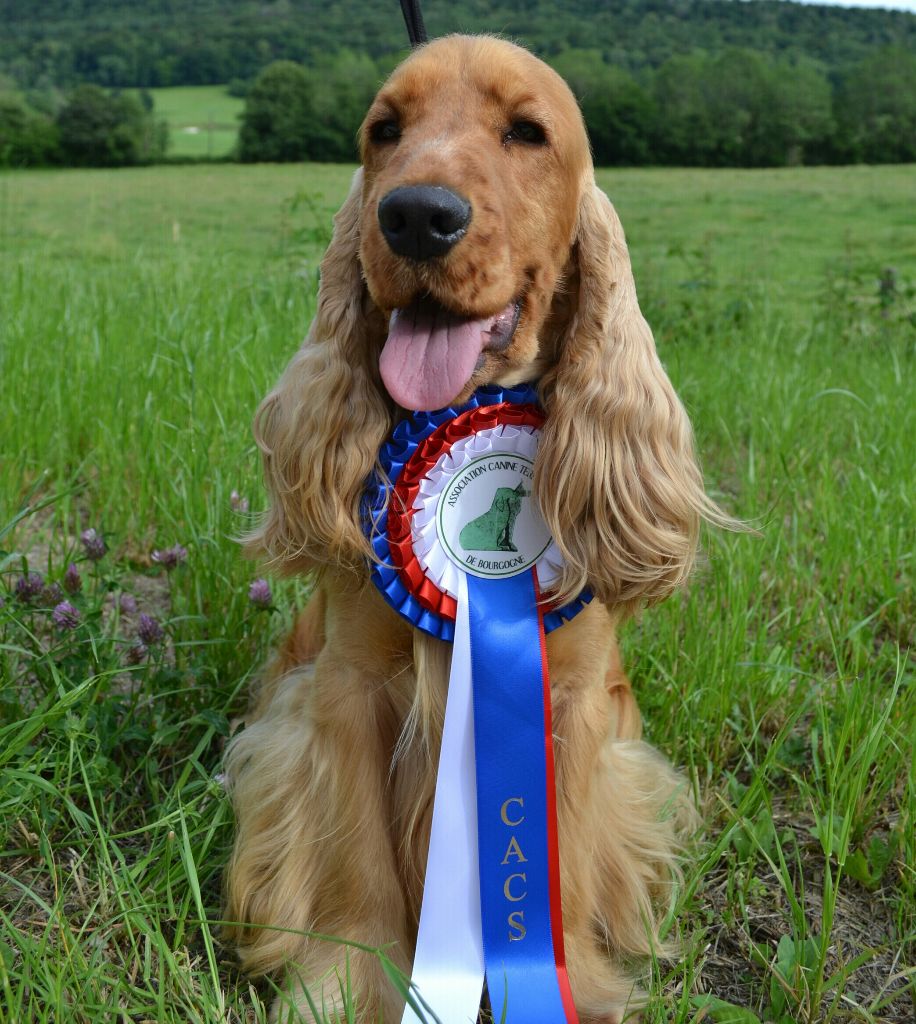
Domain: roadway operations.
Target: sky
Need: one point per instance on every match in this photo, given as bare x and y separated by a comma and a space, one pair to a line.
897, 5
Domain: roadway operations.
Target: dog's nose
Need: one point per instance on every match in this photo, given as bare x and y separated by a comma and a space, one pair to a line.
423, 221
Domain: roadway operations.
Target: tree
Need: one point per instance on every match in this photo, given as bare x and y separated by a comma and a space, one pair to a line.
740, 109
875, 108
737, 88
684, 134
100, 129
342, 88
618, 112
278, 111
296, 114
804, 96
27, 138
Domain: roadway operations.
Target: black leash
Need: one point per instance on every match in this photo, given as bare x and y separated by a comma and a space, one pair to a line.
414, 21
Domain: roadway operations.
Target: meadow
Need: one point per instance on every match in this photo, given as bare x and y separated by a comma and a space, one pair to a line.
144, 313
203, 120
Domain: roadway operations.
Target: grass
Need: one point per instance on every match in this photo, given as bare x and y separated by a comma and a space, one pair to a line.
142, 315
203, 120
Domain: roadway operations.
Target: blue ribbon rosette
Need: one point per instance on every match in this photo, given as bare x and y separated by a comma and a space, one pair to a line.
464, 554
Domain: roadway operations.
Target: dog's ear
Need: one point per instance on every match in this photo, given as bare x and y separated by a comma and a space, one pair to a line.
321, 428
617, 480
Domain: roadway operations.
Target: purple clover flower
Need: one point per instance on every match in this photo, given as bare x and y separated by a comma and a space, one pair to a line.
127, 603
171, 557
53, 593
93, 544
149, 630
29, 587
137, 653
259, 594
65, 616
238, 503
73, 582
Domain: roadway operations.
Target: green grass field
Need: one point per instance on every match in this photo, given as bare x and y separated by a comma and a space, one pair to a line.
203, 120
143, 313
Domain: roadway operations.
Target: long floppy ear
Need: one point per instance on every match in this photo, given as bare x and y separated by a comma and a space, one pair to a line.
617, 479
321, 428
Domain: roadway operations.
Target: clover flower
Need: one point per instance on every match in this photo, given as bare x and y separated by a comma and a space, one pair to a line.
93, 544
238, 503
171, 557
73, 582
149, 630
29, 587
127, 603
259, 594
53, 593
65, 616
137, 653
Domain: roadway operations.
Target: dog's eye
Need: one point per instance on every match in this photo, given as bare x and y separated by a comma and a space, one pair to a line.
385, 131
526, 131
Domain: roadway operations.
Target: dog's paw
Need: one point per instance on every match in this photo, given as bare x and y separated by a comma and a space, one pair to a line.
353, 990
314, 1001
610, 1015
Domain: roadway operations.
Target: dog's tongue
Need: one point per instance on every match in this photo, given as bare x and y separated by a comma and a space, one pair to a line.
430, 354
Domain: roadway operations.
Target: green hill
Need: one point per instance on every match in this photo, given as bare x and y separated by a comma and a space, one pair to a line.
200, 42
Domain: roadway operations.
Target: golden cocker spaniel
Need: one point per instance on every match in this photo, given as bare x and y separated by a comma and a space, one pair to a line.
474, 247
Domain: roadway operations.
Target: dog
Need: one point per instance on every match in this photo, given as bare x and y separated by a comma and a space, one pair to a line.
474, 247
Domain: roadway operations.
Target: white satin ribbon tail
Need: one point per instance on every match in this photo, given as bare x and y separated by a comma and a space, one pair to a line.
448, 968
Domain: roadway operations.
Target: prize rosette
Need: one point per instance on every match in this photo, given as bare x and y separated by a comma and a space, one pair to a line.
463, 553
417, 535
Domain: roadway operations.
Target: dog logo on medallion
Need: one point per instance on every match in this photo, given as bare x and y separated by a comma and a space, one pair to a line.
488, 521
493, 530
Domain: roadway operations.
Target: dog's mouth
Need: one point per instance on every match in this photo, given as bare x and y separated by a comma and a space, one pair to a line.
431, 353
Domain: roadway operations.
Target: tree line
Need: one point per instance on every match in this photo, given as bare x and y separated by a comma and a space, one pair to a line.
89, 127
841, 95
736, 109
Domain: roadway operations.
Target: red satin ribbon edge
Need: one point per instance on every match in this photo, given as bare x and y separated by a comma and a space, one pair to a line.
553, 842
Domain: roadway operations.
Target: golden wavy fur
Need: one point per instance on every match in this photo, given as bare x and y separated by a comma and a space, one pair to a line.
333, 776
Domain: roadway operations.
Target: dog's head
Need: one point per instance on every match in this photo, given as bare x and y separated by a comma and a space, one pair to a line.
475, 157
475, 248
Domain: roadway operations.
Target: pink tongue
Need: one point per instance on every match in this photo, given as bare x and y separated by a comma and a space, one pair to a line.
430, 355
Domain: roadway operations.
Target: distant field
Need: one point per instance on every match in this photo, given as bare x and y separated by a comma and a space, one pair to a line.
202, 119
144, 313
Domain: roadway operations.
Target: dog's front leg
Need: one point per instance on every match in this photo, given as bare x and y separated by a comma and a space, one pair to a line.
314, 851
621, 810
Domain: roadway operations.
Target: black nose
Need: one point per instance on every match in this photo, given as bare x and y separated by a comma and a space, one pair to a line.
423, 221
